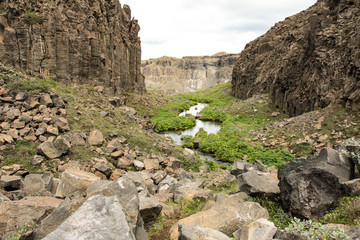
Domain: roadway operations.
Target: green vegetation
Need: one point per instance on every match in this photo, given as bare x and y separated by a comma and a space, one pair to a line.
277, 215
315, 230
32, 18
31, 85
226, 187
20, 153
20, 230
346, 211
158, 227
166, 118
191, 207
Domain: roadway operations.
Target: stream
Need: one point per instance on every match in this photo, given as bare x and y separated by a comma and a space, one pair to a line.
208, 126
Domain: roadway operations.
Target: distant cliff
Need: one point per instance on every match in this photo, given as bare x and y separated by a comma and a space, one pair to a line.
173, 75
79, 41
307, 61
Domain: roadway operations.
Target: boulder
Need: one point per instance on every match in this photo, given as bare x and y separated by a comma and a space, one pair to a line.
354, 233
260, 229
45, 99
78, 139
193, 232
10, 183
124, 189
226, 218
48, 150
74, 182
100, 217
124, 163
167, 185
104, 167
309, 186
62, 143
37, 160
96, 138
30, 209
151, 165
138, 165
187, 189
62, 124
240, 166
38, 184
221, 177
352, 187
255, 184
150, 209
158, 176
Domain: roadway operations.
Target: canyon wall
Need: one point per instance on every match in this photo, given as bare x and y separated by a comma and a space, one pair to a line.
78, 41
171, 75
306, 62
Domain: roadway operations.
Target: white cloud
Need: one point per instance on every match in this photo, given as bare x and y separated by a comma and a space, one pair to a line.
204, 27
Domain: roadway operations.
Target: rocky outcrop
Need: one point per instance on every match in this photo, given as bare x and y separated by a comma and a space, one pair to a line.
171, 75
307, 61
92, 42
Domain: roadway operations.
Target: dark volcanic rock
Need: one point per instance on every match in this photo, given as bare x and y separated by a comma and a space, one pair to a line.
310, 185
74, 41
307, 61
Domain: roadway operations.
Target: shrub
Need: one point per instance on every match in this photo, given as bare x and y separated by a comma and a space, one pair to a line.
31, 86
191, 207
315, 230
32, 18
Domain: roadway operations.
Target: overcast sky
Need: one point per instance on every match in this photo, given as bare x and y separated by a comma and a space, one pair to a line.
180, 28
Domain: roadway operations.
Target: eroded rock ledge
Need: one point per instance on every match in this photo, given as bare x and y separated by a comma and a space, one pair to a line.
307, 61
73, 41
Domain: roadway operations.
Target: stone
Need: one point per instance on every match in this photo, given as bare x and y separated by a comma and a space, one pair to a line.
37, 160
222, 177
3, 198
240, 166
100, 217
4, 138
193, 232
45, 100
18, 124
188, 152
150, 209
197, 143
127, 194
117, 154
204, 194
158, 176
20, 96
10, 183
258, 165
352, 187
104, 167
257, 184
151, 164
116, 144
5, 125
38, 184
74, 183
77, 139
224, 218
62, 143
187, 189
116, 174
96, 138
139, 165
52, 130
124, 163
167, 185
30, 209
309, 186
354, 233
48, 150
13, 133
62, 124
290, 87
260, 229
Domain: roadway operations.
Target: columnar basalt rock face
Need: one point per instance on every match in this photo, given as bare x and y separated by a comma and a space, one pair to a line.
79, 41
306, 62
173, 75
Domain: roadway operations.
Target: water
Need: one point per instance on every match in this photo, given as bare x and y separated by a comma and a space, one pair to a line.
208, 126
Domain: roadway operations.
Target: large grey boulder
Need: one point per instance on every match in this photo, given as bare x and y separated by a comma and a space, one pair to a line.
48, 150
30, 209
75, 182
150, 208
226, 218
260, 229
38, 184
255, 184
192, 232
240, 167
10, 183
309, 186
125, 190
98, 218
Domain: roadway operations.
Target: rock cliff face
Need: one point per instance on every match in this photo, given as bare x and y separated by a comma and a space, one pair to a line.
306, 62
173, 75
77, 41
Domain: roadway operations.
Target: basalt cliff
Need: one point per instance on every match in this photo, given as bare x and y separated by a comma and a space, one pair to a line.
306, 62
171, 75
77, 41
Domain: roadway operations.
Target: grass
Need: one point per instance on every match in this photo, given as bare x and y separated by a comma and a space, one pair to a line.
30, 85
33, 18
191, 207
20, 153
20, 230
158, 227
226, 187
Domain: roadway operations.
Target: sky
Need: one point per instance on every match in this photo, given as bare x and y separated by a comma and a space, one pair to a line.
178, 28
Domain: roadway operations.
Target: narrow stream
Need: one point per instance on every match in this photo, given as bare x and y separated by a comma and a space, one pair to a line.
208, 126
